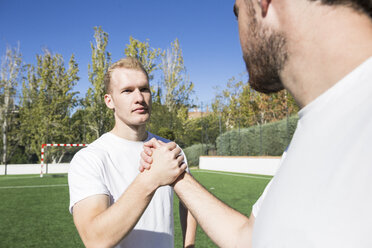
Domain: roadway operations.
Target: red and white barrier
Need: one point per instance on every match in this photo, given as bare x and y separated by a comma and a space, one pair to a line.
45, 145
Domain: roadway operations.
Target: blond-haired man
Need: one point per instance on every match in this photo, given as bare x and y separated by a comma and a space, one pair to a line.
112, 204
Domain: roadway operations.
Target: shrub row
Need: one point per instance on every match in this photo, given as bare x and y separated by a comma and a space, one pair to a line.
268, 139
195, 151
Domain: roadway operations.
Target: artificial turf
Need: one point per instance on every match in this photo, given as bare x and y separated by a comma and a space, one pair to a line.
38, 216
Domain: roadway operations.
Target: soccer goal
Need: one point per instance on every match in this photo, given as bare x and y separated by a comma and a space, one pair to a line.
43, 147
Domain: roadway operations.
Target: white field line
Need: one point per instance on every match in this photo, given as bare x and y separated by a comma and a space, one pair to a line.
33, 186
231, 174
65, 185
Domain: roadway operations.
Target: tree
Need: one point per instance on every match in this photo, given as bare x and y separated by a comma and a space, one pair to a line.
147, 55
241, 106
10, 75
177, 86
174, 95
98, 117
204, 130
47, 103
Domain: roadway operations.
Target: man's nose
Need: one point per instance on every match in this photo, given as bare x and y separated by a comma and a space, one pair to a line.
138, 95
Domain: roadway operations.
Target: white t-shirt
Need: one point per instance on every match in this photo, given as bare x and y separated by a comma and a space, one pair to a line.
322, 194
108, 166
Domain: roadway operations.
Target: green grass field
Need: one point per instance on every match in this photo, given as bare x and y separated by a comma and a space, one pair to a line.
34, 211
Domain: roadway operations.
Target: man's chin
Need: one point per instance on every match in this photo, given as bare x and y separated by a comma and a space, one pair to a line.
266, 88
142, 120
264, 78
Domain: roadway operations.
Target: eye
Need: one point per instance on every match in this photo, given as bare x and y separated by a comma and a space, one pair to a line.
236, 12
126, 91
145, 89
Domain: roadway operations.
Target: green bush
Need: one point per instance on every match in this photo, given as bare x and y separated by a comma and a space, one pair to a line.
269, 139
195, 151
20, 157
166, 133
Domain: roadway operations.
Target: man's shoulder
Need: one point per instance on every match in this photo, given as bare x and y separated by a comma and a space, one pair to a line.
91, 158
97, 149
151, 135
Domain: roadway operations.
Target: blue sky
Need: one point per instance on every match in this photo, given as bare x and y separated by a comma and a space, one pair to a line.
207, 31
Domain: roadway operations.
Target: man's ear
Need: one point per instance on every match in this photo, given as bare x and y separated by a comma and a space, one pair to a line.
264, 6
109, 102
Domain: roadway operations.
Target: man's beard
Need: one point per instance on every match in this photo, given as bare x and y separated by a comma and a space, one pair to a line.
265, 56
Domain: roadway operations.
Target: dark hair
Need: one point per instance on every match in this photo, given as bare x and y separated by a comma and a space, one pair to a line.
364, 6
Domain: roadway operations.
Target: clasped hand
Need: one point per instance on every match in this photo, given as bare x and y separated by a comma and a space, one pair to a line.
162, 160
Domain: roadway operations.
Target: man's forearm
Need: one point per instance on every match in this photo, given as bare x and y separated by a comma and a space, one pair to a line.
112, 225
225, 226
188, 226
102, 226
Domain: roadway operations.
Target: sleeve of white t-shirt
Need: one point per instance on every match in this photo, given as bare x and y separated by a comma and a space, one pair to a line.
185, 160
85, 177
256, 207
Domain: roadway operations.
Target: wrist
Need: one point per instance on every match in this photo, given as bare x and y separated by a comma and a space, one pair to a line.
180, 180
147, 182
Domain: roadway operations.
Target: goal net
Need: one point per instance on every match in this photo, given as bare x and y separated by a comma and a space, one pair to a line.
43, 164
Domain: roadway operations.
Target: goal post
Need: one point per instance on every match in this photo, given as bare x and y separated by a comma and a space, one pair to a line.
43, 147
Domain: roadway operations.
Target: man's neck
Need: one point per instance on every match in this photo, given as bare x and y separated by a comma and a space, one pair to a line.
133, 133
324, 47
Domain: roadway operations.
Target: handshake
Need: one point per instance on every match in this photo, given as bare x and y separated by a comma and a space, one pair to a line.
162, 163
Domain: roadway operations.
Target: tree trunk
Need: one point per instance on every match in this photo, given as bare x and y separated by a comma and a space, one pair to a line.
5, 148
61, 157
4, 130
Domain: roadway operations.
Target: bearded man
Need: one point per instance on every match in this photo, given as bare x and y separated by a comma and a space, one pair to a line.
320, 51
